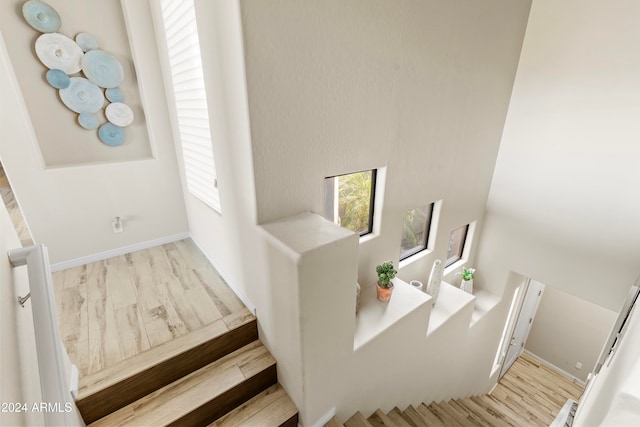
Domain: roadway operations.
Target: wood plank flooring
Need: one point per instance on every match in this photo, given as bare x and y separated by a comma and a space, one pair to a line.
530, 394
114, 309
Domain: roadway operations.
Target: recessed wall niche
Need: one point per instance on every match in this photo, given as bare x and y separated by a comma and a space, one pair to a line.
60, 139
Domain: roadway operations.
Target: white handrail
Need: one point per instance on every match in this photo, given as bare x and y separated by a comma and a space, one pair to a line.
55, 384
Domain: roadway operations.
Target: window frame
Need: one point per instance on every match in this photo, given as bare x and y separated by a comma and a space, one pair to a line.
427, 230
198, 160
460, 254
372, 198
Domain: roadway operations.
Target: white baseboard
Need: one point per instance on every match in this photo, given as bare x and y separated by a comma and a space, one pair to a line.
118, 251
325, 418
554, 367
243, 297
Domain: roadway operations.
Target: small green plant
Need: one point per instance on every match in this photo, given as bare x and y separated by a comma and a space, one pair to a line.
386, 272
467, 273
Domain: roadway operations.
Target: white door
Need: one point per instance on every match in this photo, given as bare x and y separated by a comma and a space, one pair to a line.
523, 324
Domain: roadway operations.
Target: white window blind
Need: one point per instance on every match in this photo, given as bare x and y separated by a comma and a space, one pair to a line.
183, 48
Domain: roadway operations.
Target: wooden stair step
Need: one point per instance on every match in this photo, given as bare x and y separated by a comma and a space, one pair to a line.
333, 422
430, 417
416, 418
272, 407
469, 417
204, 395
481, 413
446, 419
357, 420
495, 411
113, 388
460, 418
395, 415
380, 419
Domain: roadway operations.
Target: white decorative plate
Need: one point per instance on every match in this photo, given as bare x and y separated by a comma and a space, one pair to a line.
119, 114
102, 68
82, 96
41, 16
58, 51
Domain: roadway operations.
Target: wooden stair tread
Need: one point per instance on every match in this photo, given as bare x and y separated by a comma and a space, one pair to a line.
429, 416
490, 408
133, 365
416, 418
398, 419
357, 420
380, 419
469, 417
191, 393
333, 422
108, 390
272, 407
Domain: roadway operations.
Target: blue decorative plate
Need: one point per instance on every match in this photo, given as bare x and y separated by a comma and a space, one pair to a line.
88, 120
114, 94
86, 42
56, 50
111, 135
58, 79
41, 16
102, 69
82, 96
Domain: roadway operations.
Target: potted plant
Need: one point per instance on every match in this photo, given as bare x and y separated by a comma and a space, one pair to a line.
467, 279
384, 287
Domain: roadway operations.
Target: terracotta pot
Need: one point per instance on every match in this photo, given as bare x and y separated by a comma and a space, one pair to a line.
384, 294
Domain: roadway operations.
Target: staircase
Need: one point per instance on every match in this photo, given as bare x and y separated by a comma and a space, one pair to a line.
219, 375
475, 411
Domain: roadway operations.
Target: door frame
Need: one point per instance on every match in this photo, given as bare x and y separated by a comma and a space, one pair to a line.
518, 316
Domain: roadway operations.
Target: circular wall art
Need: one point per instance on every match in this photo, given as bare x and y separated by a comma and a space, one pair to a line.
114, 94
58, 79
82, 96
86, 42
58, 51
88, 121
41, 16
119, 114
102, 69
111, 134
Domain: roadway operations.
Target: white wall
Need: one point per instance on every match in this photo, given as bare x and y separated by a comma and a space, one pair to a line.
418, 87
70, 209
559, 209
568, 330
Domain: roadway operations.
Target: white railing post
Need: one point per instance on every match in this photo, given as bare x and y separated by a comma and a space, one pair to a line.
55, 384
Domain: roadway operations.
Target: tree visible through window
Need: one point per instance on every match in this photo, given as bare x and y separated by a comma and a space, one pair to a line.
415, 230
349, 200
456, 244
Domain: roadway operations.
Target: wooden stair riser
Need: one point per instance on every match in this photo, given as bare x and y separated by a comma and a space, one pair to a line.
116, 396
226, 402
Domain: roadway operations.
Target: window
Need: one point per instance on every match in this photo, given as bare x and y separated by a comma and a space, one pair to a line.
456, 244
415, 231
349, 200
189, 99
